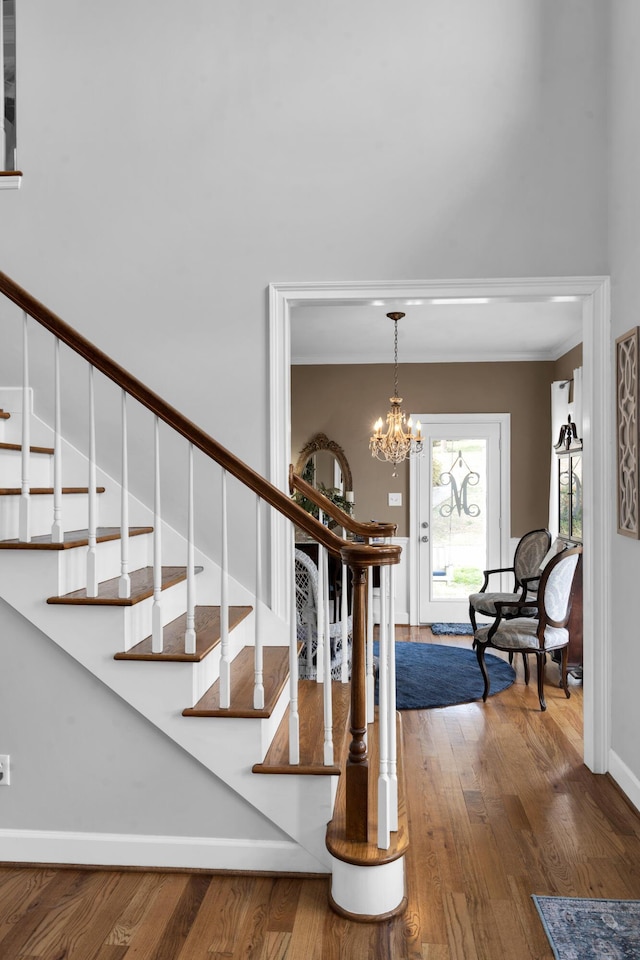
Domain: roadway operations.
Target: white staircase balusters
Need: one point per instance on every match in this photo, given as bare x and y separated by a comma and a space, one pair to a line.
57, 530
327, 693
157, 632
321, 625
24, 519
190, 632
225, 658
344, 615
393, 738
258, 687
371, 680
294, 717
384, 838
124, 583
92, 563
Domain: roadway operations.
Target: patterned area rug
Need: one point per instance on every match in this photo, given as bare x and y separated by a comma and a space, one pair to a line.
451, 629
434, 675
591, 929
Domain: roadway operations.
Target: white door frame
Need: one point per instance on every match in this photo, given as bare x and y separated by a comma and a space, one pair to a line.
598, 433
504, 419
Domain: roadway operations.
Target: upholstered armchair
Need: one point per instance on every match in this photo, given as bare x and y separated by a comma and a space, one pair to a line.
529, 554
546, 632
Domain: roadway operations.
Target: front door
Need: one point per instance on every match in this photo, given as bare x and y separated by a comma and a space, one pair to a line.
460, 481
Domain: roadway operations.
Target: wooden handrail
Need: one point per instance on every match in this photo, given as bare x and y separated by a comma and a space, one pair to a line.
367, 529
369, 555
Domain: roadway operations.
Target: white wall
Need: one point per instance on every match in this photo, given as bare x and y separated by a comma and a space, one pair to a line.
625, 254
179, 157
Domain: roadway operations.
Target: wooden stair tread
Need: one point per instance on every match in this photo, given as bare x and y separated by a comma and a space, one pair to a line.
44, 491
311, 708
207, 626
361, 853
275, 675
141, 588
72, 538
4, 415
18, 447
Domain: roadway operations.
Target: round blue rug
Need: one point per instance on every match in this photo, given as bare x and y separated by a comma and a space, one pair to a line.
434, 675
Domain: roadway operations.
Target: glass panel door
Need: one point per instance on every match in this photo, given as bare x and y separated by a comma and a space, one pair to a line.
458, 516
460, 498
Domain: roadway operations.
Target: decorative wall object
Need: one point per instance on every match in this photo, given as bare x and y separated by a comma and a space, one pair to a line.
627, 436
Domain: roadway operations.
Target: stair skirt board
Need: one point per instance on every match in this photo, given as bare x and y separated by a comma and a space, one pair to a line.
130, 850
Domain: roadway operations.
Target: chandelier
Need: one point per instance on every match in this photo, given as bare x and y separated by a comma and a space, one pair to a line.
397, 443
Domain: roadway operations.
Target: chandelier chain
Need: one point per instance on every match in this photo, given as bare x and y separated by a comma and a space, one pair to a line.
395, 359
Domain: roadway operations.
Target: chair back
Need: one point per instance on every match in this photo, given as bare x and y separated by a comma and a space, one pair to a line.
554, 593
306, 573
530, 552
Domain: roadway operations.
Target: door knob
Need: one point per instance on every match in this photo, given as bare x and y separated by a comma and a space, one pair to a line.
425, 523
425, 539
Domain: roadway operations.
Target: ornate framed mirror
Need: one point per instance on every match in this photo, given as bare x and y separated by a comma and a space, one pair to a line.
322, 462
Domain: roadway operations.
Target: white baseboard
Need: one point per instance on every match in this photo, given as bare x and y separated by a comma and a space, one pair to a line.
625, 778
124, 850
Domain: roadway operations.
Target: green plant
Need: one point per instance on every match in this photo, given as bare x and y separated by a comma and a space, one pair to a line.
468, 576
331, 493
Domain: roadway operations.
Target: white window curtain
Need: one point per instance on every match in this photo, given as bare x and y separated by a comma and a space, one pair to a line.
560, 410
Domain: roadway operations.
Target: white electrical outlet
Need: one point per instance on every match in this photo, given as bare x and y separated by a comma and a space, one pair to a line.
5, 770
395, 500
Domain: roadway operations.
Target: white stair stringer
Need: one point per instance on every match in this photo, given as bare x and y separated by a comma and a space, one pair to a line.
300, 806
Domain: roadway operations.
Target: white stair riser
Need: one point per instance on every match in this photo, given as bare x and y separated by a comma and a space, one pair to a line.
39, 474
74, 514
73, 563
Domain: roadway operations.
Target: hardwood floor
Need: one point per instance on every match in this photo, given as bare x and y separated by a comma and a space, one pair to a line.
500, 807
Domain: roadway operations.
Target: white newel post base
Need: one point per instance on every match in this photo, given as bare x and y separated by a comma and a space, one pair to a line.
368, 893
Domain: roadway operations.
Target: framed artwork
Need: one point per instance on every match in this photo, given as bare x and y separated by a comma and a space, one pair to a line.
627, 436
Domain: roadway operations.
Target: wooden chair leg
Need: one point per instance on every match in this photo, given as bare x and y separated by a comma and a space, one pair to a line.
525, 664
472, 618
541, 661
483, 669
563, 671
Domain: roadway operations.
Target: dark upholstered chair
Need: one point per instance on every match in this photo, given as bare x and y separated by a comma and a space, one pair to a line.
530, 552
544, 633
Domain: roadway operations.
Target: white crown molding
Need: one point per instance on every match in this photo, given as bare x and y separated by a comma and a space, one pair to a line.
455, 356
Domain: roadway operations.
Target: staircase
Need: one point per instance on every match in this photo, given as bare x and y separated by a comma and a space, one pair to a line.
218, 677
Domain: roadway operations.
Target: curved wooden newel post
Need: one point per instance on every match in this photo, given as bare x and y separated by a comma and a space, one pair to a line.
357, 770
359, 558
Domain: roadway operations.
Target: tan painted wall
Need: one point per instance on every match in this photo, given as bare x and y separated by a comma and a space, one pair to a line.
344, 400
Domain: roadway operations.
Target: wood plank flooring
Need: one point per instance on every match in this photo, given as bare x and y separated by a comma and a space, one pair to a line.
500, 807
